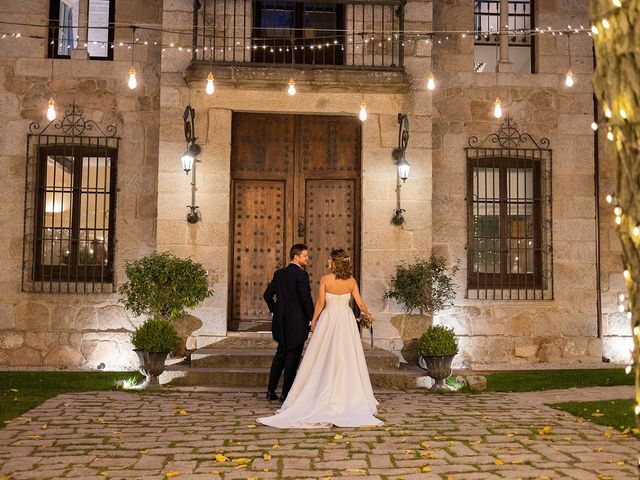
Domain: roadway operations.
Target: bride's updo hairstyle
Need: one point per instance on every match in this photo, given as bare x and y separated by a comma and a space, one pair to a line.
342, 268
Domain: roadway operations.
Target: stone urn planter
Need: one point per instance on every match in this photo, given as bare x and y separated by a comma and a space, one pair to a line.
437, 367
151, 365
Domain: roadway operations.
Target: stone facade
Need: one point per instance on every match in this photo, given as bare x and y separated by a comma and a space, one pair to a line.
87, 330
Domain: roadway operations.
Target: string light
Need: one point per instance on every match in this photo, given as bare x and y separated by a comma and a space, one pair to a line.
51, 110
626, 274
623, 113
605, 23
363, 111
616, 3
210, 86
610, 134
568, 79
636, 231
607, 111
133, 82
431, 82
617, 211
594, 30
292, 87
609, 198
497, 108
618, 220
594, 126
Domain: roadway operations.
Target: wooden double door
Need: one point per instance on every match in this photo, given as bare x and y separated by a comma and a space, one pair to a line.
294, 179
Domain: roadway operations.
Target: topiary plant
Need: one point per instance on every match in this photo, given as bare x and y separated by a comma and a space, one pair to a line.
425, 285
163, 285
438, 340
155, 335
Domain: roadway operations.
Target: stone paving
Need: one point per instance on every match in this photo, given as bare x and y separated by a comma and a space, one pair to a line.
213, 434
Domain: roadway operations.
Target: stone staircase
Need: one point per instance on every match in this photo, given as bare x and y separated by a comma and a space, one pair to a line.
244, 360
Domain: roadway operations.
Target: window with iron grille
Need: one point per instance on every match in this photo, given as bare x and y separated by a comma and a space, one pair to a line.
487, 38
64, 33
509, 217
69, 207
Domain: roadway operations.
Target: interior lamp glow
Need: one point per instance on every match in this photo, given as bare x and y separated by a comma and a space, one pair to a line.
568, 79
431, 82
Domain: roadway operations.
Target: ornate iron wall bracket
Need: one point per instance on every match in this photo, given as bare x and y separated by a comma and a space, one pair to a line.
403, 166
193, 150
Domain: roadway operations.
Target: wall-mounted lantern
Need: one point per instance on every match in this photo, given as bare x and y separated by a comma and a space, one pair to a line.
189, 159
404, 168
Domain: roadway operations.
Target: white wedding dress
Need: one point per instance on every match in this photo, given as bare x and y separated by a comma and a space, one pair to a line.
332, 386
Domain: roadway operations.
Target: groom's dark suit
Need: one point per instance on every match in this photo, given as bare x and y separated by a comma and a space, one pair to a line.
292, 311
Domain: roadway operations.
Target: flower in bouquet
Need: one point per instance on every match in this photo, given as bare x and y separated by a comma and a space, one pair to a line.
366, 320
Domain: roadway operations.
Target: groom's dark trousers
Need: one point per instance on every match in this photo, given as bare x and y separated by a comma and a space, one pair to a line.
289, 299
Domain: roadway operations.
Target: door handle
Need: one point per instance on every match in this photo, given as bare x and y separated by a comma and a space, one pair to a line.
301, 227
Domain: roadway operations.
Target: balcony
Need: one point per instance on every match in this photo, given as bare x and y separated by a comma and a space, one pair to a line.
333, 42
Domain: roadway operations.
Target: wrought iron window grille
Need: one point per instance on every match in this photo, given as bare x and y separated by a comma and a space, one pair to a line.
509, 216
69, 206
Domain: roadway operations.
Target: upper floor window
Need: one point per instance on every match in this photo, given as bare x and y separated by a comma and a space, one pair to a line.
289, 29
64, 21
487, 38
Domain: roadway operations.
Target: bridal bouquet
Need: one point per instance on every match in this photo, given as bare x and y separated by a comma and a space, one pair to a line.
366, 320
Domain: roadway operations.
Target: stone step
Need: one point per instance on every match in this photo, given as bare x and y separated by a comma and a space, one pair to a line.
185, 375
377, 359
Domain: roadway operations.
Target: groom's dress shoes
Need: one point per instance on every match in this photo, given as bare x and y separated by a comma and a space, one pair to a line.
271, 395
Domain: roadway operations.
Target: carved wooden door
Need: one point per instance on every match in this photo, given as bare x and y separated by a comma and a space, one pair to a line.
295, 179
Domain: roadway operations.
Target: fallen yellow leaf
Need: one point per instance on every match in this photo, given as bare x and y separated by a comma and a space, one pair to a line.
426, 469
337, 436
440, 437
13, 389
499, 462
98, 420
621, 462
172, 474
425, 445
45, 426
104, 474
408, 452
221, 458
241, 460
244, 465
517, 462
276, 446
266, 456
251, 425
35, 437
182, 412
597, 414
356, 470
142, 452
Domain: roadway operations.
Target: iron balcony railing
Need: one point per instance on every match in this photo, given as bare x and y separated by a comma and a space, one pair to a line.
351, 34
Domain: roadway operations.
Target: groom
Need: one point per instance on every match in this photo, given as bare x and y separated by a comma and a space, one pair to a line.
292, 311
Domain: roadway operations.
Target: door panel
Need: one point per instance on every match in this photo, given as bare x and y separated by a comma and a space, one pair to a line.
258, 245
295, 179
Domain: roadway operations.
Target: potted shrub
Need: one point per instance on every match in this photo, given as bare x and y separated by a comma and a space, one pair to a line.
425, 286
152, 341
436, 349
162, 286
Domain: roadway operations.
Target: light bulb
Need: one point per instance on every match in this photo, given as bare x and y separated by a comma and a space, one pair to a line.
594, 30
621, 297
627, 369
636, 330
594, 126
609, 198
497, 109
568, 79
626, 274
363, 111
629, 315
292, 87
431, 82
617, 211
637, 410
210, 86
616, 3
607, 111
605, 23
621, 308
610, 135
51, 110
618, 220
623, 113
133, 83
636, 231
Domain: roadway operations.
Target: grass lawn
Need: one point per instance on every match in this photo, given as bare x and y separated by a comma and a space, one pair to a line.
531, 381
22, 391
611, 413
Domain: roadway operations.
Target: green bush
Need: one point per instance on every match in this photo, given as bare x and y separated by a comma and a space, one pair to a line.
425, 285
162, 285
438, 340
155, 335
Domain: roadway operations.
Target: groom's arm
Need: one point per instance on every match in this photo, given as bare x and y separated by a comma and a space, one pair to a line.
304, 292
269, 293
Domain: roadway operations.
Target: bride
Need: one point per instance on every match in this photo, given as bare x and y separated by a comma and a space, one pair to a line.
332, 386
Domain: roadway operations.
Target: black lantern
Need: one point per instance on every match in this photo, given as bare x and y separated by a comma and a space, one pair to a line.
190, 158
404, 168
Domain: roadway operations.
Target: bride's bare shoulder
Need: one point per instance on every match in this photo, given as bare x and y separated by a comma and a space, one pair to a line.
327, 277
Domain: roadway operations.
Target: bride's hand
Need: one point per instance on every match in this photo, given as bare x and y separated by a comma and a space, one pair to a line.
313, 326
